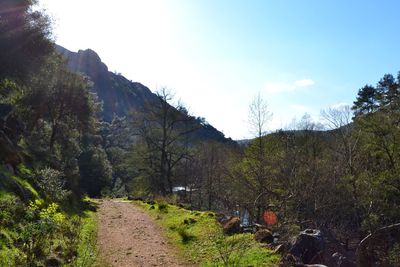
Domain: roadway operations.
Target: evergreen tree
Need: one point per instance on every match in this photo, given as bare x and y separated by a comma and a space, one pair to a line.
367, 101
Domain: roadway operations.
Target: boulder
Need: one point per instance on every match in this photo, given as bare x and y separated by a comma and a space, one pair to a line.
264, 236
232, 226
308, 245
222, 218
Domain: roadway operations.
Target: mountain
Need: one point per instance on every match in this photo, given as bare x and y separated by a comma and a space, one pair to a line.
119, 95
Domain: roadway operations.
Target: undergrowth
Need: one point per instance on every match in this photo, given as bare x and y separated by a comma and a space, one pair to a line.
36, 231
200, 238
87, 246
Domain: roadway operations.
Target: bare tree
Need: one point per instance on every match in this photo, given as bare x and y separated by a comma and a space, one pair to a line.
164, 128
208, 167
339, 120
337, 117
259, 116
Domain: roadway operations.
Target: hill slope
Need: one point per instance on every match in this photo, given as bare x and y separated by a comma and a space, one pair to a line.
120, 96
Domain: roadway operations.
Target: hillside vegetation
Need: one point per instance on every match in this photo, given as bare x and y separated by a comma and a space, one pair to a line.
47, 124
64, 136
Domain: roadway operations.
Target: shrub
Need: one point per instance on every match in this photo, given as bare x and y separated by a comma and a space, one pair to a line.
185, 236
11, 256
11, 209
162, 205
51, 182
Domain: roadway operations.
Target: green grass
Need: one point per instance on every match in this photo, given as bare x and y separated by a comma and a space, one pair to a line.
87, 247
199, 237
21, 181
26, 185
70, 237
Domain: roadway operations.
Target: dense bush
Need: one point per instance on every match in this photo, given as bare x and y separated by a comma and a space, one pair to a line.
52, 183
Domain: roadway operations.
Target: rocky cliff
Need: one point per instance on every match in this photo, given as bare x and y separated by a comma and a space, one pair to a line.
119, 95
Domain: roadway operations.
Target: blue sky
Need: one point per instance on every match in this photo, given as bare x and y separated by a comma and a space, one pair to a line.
216, 55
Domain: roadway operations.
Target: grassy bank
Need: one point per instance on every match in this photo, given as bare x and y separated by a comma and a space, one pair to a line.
43, 234
35, 231
87, 246
199, 237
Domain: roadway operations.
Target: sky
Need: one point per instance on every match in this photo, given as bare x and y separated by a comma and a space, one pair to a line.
217, 55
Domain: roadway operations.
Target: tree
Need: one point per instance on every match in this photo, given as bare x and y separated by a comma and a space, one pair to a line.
117, 141
255, 168
367, 100
56, 110
388, 90
163, 128
206, 174
24, 46
259, 116
57, 106
95, 171
339, 121
24, 39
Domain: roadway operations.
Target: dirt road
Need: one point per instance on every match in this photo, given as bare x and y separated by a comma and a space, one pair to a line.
129, 237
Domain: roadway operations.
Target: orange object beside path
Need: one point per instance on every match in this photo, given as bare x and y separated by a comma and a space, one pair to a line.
270, 218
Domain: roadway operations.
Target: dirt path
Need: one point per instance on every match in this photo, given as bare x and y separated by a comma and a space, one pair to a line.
129, 237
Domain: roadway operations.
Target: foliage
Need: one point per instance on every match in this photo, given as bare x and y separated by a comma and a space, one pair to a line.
35, 229
45, 111
33, 233
344, 181
162, 206
163, 131
51, 182
27, 41
95, 170
10, 207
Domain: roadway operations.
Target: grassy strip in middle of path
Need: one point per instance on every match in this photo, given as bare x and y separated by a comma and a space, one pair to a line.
200, 237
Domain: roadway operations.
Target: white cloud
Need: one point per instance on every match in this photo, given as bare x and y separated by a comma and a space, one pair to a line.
279, 87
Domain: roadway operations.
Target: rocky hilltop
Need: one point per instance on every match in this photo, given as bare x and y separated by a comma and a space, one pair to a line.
119, 95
